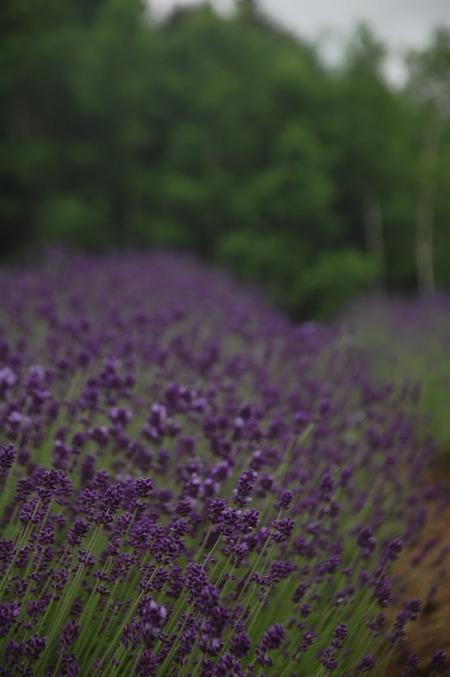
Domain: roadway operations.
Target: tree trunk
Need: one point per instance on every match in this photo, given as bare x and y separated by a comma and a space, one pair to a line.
425, 210
374, 234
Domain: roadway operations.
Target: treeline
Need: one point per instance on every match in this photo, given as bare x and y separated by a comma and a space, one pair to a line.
227, 136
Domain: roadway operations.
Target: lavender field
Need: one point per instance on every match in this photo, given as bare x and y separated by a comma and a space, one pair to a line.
193, 485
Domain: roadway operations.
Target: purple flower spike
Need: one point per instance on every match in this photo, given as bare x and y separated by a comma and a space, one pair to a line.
439, 661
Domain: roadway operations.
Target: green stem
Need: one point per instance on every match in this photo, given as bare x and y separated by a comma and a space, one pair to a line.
113, 647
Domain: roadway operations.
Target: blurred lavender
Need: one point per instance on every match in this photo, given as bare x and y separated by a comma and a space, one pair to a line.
191, 485
409, 340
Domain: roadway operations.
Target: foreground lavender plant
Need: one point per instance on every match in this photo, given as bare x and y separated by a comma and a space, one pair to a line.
191, 485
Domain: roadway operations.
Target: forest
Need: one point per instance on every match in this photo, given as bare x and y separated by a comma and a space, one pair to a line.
228, 136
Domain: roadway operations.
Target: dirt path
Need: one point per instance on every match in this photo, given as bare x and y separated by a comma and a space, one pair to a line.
425, 573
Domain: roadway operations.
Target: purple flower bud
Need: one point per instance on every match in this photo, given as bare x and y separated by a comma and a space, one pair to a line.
34, 646
439, 662
9, 612
341, 631
7, 379
367, 540
273, 637
365, 665
285, 499
244, 486
7, 458
328, 659
394, 548
240, 644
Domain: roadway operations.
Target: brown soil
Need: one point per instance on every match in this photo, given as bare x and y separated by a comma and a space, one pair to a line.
432, 629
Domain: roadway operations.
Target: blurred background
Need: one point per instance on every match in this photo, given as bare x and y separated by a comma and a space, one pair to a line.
305, 148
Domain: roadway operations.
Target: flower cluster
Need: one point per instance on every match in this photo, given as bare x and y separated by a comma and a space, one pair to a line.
190, 484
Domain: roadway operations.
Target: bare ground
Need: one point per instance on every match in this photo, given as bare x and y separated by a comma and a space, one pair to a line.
427, 577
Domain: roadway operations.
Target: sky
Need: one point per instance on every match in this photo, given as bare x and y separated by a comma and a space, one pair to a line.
401, 24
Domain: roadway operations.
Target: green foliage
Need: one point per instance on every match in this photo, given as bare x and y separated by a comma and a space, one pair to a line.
292, 278
73, 220
336, 277
277, 263
225, 135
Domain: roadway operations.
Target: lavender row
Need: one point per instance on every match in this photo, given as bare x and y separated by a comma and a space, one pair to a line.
192, 485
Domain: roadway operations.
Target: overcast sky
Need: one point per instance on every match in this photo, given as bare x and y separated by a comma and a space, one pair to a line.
400, 23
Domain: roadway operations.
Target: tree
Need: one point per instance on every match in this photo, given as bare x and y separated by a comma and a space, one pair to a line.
429, 86
247, 8
367, 109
